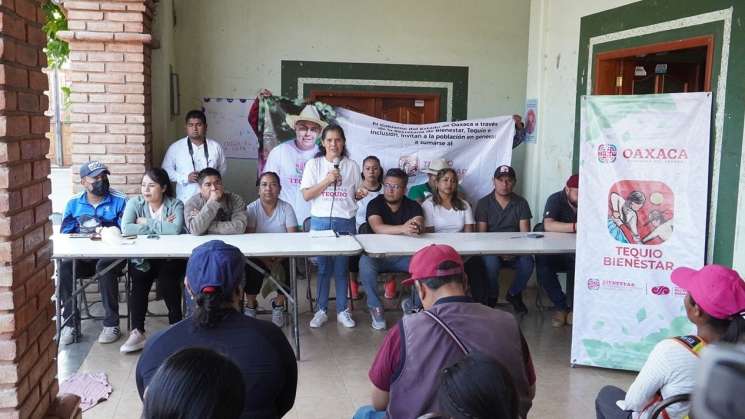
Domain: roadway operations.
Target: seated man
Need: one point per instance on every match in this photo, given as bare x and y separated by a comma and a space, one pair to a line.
214, 210
214, 274
421, 192
505, 211
96, 206
268, 214
560, 216
390, 213
405, 382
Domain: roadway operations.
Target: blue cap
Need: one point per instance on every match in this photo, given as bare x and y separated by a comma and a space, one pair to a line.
215, 264
93, 168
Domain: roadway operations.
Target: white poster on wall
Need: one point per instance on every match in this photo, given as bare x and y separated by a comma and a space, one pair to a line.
227, 121
474, 148
643, 202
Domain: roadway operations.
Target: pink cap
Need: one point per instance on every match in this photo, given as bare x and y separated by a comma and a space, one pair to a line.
717, 289
426, 263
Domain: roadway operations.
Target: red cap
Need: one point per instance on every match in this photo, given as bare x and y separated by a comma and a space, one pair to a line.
573, 181
718, 290
426, 263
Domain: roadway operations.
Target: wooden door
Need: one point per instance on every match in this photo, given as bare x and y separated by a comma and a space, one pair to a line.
405, 108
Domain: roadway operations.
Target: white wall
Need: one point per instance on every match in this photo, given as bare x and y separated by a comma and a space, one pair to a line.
233, 48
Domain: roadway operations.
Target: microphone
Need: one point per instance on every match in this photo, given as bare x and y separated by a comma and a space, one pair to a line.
336, 163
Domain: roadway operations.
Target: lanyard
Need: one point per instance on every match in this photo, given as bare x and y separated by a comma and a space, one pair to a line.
191, 153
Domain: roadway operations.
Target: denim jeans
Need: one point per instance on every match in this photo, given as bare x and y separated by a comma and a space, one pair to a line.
338, 266
546, 268
523, 266
108, 284
371, 267
369, 412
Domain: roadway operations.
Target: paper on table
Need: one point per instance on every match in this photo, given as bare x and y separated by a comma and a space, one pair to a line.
322, 233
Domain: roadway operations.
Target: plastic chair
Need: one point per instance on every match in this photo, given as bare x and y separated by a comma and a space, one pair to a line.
660, 406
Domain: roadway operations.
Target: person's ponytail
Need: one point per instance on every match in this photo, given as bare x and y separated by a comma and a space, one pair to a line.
735, 332
210, 307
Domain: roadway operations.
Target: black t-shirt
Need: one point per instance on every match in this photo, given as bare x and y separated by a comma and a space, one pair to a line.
257, 347
500, 219
408, 210
558, 208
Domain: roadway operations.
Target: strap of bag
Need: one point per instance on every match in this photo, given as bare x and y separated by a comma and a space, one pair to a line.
447, 330
693, 343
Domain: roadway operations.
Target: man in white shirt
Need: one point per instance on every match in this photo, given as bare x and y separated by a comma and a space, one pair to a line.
288, 159
188, 156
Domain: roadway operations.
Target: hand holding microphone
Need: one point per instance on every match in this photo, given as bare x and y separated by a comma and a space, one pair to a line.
334, 176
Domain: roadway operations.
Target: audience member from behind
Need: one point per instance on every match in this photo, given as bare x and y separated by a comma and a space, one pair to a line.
154, 212
96, 206
268, 214
452, 325
560, 216
390, 213
213, 279
715, 304
505, 211
195, 383
477, 387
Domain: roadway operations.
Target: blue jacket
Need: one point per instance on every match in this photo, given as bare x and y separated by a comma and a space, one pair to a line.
108, 212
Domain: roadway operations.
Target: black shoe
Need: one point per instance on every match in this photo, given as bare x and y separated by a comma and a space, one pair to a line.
517, 303
491, 302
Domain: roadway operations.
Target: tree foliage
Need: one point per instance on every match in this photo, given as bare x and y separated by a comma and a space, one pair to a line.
57, 50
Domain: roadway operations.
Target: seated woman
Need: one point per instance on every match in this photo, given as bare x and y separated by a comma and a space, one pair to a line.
714, 304
195, 382
260, 350
268, 214
444, 210
155, 212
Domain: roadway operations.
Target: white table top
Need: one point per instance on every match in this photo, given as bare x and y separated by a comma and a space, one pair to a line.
382, 245
180, 246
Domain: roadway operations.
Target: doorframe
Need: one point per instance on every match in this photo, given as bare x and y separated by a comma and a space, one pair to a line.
315, 93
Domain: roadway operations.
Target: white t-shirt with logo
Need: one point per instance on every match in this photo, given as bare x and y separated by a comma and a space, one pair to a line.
446, 220
282, 218
343, 197
288, 162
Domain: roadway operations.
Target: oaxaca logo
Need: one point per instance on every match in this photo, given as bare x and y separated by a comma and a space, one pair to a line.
655, 154
660, 290
593, 284
607, 153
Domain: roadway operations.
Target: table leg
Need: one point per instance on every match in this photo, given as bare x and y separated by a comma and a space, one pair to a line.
57, 302
295, 314
74, 298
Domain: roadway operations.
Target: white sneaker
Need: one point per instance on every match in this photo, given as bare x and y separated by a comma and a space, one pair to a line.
278, 316
134, 343
67, 336
378, 320
109, 334
345, 318
319, 319
250, 311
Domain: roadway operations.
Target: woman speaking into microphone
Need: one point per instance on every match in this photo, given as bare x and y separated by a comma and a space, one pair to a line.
332, 184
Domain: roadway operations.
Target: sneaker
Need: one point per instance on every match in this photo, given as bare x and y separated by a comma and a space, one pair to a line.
570, 318
278, 315
134, 343
250, 311
109, 334
319, 319
517, 303
345, 318
390, 289
559, 318
378, 321
67, 336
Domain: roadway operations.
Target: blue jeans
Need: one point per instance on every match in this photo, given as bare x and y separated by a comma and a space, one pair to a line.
523, 269
371, 267
338, 266
369, 412
546, 268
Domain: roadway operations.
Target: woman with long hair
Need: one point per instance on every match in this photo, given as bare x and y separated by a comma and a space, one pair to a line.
332, 184
154, 212
444, 210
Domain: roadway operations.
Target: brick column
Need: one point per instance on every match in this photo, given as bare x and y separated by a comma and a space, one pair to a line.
110, 83
27, 350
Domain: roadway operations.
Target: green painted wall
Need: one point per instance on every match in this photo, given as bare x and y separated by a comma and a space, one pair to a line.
650, 12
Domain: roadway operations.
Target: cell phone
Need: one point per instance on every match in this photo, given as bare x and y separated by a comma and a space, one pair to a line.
80, 235
534, 235
153, 236
344, 233
130, 237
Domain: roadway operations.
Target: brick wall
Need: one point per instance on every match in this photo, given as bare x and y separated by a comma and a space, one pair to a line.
27, 350
110, 82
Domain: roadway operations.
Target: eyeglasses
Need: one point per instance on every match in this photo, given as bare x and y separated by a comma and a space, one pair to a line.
391, 186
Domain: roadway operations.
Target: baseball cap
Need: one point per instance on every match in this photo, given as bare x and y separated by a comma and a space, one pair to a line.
215, 264
718, 290
93, 168
426, 263
573, 181
435, 166
504, 170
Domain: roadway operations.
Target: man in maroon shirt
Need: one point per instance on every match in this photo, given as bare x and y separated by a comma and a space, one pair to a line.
425, 346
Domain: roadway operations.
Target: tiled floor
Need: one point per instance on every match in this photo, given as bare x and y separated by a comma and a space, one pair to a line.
333, 370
